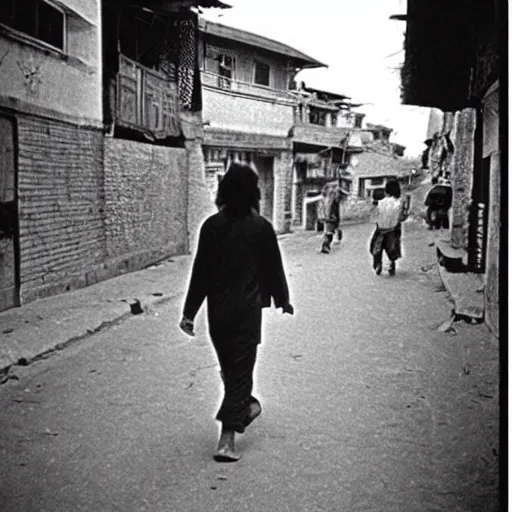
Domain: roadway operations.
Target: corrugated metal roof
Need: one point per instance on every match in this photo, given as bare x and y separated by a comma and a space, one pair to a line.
242, 36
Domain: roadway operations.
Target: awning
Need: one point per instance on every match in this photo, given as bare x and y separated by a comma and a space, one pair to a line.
310, 158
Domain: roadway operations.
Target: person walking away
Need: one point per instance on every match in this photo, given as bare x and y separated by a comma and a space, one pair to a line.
438, 201
238, 269
331, 198
391, 212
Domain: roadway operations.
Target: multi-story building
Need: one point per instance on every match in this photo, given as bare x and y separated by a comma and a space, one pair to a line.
378, 162
51, 131
326, 135
462, 80
248, 110
77, 206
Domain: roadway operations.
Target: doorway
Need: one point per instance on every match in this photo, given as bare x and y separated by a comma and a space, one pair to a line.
265, 168
9, 233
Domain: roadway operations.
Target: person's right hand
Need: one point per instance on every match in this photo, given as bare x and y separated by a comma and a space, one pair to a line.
288, 309
187, 326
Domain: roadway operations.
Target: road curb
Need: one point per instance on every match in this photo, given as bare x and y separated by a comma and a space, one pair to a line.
12, 353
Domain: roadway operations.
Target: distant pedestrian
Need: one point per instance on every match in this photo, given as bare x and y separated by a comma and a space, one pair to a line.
391, 212
331, 207
238, 268
438, 202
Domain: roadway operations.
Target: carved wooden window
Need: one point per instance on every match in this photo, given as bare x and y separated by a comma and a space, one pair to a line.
146, 101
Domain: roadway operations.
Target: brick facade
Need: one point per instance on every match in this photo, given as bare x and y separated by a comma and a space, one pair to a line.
61, 218
91, 207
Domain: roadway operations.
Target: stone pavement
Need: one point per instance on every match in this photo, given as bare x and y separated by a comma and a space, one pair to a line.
40, 327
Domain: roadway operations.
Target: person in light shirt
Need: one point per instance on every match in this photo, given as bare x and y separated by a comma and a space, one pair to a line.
391, 212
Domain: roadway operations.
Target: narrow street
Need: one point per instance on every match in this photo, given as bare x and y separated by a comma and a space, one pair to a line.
367, 406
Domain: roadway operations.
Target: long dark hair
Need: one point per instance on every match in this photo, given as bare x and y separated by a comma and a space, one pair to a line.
393, 188
238, 190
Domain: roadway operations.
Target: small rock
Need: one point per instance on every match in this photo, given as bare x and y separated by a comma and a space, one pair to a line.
446, 326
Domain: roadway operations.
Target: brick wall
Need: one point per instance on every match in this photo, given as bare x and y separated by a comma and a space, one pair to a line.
60, 205
145, 202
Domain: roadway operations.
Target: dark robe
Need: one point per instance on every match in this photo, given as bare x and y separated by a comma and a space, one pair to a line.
239, 270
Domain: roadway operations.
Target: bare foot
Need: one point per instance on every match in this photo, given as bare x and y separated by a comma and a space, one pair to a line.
226, 447
254, 412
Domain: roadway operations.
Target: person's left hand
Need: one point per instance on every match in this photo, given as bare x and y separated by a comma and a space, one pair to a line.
187, 326
288, 309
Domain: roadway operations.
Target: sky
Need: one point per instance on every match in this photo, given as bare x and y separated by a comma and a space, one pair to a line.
362, 47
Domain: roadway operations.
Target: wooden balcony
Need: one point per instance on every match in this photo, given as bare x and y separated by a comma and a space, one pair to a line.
146, 100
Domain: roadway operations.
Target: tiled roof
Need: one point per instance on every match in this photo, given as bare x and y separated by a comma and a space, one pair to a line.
242, 36
372, 164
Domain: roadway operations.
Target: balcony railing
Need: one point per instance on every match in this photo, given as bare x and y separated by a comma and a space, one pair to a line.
237, 86
146, 101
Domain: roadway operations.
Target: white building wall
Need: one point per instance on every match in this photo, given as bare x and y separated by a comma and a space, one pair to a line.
69, 82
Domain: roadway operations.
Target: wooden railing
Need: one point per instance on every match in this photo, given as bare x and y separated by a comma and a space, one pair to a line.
237, 86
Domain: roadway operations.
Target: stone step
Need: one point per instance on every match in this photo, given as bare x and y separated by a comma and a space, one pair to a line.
452, 259
466, 290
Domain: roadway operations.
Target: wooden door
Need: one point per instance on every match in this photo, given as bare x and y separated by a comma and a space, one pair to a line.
9, 281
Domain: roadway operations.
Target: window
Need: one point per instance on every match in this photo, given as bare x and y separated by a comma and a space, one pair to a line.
226, 67
36, 18
376, 181
317, 117
261, 73
358, 123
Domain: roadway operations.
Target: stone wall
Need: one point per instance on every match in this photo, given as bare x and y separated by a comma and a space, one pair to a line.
199, 200
462, 176
61, 216
354, 209
283, 170
145, 202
